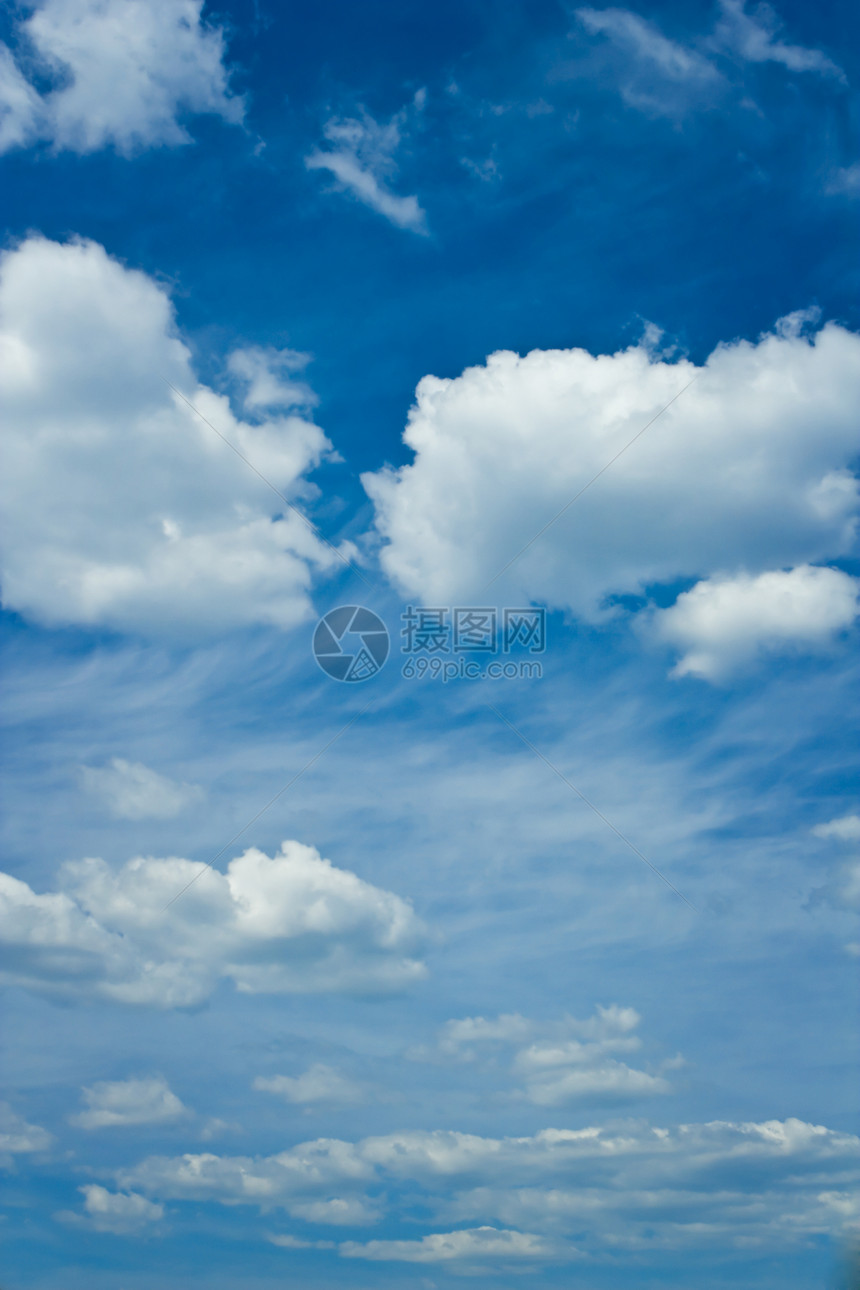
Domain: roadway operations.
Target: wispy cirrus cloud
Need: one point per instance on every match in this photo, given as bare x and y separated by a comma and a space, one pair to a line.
754, 37
360, 154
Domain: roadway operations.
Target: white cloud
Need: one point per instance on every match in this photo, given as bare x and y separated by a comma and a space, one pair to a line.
655, 74
119, 1103
268, 374
20, 105
118, 505
606, 1080
320, 1083
123, 1214
624, 1186
133, 791
127, 73
666, 77
351, 1211
753, 38
645, 40
361, 158
291, 924
724, 622
747, 470
472, 1245
17, 1137
559, 1062
846, 829
288, 1242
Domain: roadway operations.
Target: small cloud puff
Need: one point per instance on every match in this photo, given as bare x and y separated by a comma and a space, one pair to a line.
723, 623
120, 1103
320, 1083
121, 1213
559, 1063
360, 156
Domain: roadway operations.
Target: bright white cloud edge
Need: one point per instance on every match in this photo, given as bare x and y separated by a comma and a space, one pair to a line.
289, 924
120, 507
128, 73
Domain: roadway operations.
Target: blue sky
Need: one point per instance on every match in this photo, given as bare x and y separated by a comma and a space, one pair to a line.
546, 979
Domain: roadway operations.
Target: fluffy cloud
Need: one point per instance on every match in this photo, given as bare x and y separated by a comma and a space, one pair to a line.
268, 376
846, 829
119, 506
747, 470
559, 1074
126, 73
20, 105
119, 1103
17, 1137
132, 791
627, 1186
558, 1063
724, 622
320, 1083
123, 1214
473, 1245
360, 156
291, 924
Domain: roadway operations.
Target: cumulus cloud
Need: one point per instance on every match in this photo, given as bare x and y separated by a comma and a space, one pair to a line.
17, 1137
846, 829
122, 1213
558, 1063
473, 1245
559, 1074
119, 1103
320, 1083
118, 505
748, 470
723, 622
133, 791
752, 37
126, 73
623, 1186
289, 924
361, 157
